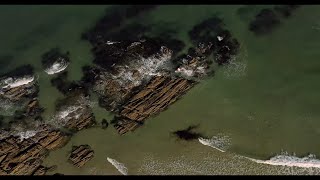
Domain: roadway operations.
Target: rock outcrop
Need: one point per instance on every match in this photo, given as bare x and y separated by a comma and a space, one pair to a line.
81, 155
155, 97
25, 157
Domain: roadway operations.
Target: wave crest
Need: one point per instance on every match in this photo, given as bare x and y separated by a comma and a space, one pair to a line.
119, 166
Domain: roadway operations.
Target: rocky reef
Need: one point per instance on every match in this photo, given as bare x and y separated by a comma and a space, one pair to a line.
24, 156
134, 75
80, 155
138, 76
139, 79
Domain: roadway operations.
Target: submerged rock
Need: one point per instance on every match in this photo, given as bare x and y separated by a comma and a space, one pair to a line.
286, 10
104, 124
269, 19
114, 18
265, 21
80, 155
211, 36
54, 61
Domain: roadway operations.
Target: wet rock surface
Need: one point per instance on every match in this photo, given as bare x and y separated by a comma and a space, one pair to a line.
80, 155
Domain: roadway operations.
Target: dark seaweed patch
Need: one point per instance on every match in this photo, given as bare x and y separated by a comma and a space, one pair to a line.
269, 19
66, 87
114, 18
5, 60
265, 21
205, 31
285, 10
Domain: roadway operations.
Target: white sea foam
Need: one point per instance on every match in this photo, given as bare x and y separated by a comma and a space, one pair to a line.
285, 159
62, 117
219, 142
220, 38
16, 82
185, 72
237, 67
143, 69
26, 134
111, 42
120, 166
57, 66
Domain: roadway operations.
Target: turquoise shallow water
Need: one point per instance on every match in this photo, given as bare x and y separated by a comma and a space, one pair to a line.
266, 101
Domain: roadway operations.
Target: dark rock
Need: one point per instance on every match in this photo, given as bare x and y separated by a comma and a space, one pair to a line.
114, 18
205, 31
175, 45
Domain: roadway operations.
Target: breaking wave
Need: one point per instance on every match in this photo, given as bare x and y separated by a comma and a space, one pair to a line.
120, 167
143, 69
16, 82
26, 134
219, 142
57, 66
62, 117
284, 159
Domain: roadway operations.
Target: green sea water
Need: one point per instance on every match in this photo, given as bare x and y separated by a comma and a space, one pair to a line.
266, 101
